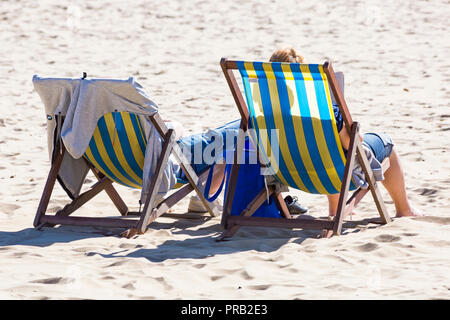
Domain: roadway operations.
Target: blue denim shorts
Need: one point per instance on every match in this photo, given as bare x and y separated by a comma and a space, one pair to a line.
380, 143
202, 140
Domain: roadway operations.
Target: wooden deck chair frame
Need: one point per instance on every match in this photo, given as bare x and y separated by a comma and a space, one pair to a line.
231, 223
150, 211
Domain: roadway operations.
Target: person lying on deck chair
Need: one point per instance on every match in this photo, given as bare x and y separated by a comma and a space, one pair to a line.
379, 144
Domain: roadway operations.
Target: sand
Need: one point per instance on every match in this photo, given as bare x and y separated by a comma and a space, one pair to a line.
395, 59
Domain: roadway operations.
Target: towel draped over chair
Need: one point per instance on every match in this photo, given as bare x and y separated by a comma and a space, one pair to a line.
90, 104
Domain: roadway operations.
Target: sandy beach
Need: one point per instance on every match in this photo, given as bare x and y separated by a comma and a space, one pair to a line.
395, 59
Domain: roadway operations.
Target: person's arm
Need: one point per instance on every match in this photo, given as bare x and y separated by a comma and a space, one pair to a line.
345, 137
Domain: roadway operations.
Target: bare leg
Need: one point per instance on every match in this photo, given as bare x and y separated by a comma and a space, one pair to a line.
195, 204
394, 182
219, 170
333, 200
344, 136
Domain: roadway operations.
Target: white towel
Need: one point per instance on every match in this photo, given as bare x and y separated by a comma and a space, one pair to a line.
358, 176
83, 102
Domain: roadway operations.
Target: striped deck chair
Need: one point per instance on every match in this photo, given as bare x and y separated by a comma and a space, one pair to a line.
116, 154
289, 107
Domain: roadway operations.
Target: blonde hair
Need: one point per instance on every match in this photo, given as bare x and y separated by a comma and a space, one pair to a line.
286, 55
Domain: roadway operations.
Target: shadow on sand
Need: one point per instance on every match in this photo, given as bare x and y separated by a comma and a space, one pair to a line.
199, 244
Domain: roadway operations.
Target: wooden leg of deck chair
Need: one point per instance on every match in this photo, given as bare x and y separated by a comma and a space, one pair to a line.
230, 230
49, 185
175, 197
184, 164
281, 205
346, 178
353, 201
373, 186
359, 194
228, 201
84, 197
228, 233
111, 192
81, 200
148, 213
356, 147
247, 212
194, 180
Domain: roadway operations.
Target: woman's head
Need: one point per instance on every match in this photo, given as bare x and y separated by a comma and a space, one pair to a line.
286, 55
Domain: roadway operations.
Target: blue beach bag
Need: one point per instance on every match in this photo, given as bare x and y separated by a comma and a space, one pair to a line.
249, 183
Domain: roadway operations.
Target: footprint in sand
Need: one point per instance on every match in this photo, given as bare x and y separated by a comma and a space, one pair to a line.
118, 263
54, 280
367, 247
438, 220
129, 286
410, 234
215, 278
246, 276
260, 287
164, 283
387, 238
25, 254
130, 246
8, 208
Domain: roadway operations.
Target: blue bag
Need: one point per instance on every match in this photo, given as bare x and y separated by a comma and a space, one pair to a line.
249, 183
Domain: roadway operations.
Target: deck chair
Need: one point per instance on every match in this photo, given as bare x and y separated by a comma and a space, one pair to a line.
295, 100
116, 154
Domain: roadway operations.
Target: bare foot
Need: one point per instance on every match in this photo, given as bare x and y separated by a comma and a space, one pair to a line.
413, 212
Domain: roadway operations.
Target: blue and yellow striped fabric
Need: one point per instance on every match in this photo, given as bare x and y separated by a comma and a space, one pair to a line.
117, 148
294, 99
